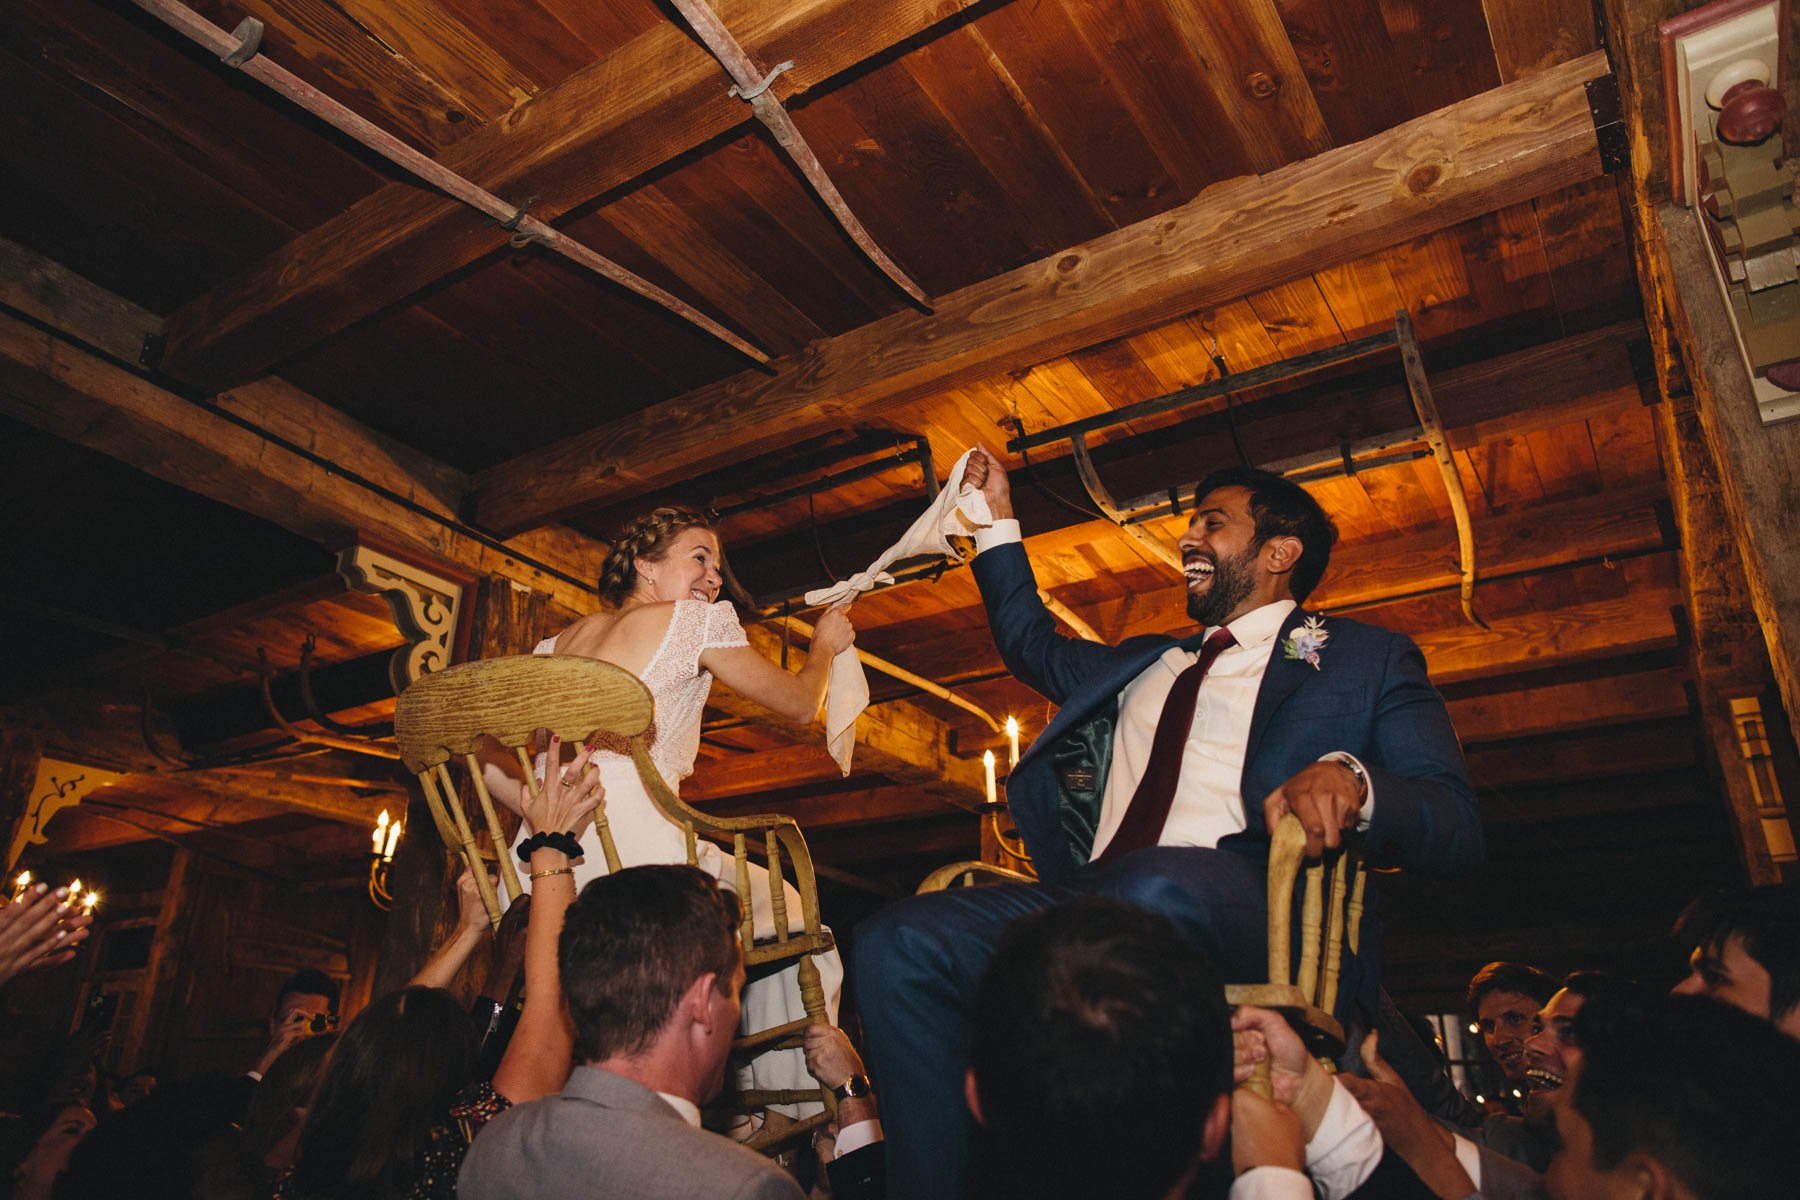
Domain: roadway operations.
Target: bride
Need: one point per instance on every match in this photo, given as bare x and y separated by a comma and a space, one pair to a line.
662, 620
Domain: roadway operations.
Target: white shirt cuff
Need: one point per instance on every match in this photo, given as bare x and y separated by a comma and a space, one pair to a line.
1470, 1158
854, 1138
1345, 1148
1367, 812
1004, 532
1271, 1183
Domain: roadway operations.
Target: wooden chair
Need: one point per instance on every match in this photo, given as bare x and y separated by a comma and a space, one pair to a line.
446, 716
971, 874
1330, 919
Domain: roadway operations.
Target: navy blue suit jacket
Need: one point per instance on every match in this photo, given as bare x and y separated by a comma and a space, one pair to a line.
1370, 697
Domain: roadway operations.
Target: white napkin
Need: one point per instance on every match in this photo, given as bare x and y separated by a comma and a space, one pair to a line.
955, 512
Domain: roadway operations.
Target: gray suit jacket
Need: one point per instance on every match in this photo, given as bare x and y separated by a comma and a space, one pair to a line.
608, 1136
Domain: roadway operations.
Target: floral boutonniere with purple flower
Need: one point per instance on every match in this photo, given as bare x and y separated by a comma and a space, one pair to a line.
1306, 641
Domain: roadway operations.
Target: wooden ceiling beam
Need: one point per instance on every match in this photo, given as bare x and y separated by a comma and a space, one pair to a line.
267, 449
841, 810
1575, 378
1613, 524
1654, 746
1559, 708
653, 99
1497, 148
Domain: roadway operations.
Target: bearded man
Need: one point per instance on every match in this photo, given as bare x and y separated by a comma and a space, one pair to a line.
1168, 762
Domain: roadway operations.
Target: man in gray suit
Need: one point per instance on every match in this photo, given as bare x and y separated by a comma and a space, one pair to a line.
652, 969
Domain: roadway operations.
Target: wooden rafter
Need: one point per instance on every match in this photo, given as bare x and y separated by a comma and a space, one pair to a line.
652, 100
1498, 148
751, 85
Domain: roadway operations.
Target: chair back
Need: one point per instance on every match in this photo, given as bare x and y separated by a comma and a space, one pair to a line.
1330, 913
447, 717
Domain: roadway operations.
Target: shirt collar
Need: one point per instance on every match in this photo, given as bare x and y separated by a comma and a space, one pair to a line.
690, 1112
1259, 626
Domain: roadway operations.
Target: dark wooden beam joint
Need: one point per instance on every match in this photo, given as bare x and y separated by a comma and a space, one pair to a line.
1610, 133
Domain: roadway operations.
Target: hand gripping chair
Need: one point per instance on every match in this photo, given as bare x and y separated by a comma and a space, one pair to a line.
446, 717
1330, 921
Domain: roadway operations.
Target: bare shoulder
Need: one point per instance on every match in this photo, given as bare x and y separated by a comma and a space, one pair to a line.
628, 639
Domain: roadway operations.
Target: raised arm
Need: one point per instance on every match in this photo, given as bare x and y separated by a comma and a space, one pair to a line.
791, 695
1038, 653
538, 1058
471, 931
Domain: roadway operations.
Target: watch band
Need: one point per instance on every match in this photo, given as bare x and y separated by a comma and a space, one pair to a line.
1355, 768
853, 1088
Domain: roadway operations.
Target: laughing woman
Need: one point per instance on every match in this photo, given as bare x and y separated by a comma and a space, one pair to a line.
662, 620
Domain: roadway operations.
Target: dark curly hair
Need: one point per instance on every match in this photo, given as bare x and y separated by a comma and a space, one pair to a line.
646, 537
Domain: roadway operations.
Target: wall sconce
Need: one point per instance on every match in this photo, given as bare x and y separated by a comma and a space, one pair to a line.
382, 840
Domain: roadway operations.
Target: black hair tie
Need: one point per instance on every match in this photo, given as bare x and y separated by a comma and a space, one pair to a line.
565, 842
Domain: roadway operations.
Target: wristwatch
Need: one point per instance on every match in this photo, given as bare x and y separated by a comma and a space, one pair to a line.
853, 1088
1355, 768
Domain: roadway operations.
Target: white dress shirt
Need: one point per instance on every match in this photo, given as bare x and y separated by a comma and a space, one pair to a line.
1209, 800
1343, 1153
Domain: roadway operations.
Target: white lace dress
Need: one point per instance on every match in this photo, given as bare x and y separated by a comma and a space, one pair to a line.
643, 834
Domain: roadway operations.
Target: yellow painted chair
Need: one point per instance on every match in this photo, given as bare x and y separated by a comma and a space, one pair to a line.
444, 719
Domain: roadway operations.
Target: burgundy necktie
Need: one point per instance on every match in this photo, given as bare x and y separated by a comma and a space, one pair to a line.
1148, 811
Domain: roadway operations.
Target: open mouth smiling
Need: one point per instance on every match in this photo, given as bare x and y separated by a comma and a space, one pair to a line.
1199, 572
1542, 1080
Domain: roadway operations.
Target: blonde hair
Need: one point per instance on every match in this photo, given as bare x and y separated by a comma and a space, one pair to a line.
648, 538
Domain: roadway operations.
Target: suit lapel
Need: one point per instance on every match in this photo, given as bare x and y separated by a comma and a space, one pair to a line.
1282, 677
1095, 692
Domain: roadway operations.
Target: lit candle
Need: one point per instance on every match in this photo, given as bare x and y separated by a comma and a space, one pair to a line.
987, 760
1012, 737
393, 839
380, 835
74, 890
91, 901
21, 883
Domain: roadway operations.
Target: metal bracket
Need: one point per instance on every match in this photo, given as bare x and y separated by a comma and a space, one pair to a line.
1159, 549
749, 95
249, 37
1433, 429
151, 352
1609, 123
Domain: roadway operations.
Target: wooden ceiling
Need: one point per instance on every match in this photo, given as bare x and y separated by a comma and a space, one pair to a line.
1105, 199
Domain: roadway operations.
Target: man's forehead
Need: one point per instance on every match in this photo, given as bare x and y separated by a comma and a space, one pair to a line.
1503, 1000
1233, 500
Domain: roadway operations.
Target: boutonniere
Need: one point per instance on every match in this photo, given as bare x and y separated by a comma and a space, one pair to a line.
1306, 641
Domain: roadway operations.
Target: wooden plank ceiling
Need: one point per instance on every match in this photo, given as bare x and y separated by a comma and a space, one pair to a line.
972, 140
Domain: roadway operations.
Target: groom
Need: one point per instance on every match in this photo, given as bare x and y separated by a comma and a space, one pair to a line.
1157, 783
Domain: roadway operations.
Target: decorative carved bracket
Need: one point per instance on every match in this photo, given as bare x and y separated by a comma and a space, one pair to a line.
426, 598
58, 785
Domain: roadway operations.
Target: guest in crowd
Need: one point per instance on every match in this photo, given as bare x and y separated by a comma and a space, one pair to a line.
652, 971
179, 1143
55, 1140
284, 1098
1103, 1064
126, 1090
303, 1008
1677, 1097
1746, 951
400, 1102
1504, 998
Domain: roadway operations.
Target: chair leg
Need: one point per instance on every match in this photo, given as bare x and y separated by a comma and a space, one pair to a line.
812, 997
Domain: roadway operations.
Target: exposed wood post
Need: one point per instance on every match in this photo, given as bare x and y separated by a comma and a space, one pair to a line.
507, 619
150, 1027
1728, 655
19, 754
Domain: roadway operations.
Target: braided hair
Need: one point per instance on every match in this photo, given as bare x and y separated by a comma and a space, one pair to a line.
646, 537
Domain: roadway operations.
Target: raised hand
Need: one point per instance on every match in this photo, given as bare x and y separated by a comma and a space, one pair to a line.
1295, 1077
834, 632
39, 929
986, 474
564, 804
